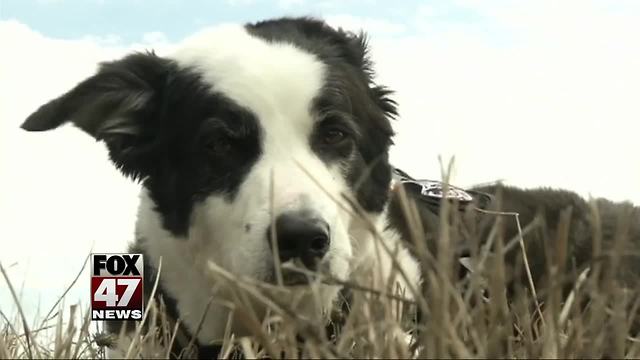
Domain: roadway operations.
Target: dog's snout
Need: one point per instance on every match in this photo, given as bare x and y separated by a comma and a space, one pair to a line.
301, 235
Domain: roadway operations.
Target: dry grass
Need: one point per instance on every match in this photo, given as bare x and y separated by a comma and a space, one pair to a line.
477, 315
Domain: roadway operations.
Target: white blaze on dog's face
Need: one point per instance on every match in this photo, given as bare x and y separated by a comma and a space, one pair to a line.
279, 92
241, 129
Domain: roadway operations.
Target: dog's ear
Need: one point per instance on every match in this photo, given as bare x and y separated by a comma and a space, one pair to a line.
377, 106
382, 95
118, 105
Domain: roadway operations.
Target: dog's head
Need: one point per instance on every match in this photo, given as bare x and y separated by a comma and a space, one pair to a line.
244, 129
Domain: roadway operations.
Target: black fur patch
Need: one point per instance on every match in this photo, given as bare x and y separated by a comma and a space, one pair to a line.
350, 94
165, 126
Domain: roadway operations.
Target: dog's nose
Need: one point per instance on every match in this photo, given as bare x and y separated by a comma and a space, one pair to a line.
301, 235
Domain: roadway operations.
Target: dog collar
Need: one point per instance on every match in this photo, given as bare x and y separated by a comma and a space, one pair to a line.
433, 192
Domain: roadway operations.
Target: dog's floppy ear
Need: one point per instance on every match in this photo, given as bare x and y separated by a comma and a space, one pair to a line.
119, 105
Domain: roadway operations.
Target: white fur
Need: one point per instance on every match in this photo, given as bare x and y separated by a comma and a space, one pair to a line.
376, 254
277, 82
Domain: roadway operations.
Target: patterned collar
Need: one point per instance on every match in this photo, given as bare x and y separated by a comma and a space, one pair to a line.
433, 192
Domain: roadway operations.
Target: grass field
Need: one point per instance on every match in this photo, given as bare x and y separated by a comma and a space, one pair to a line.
478, 314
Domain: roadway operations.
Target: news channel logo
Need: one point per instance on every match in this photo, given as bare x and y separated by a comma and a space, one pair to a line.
117, 286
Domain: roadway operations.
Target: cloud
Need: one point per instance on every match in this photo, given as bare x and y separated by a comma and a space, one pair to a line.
373, 26
550, 108
155, 38
60, 197
107, 40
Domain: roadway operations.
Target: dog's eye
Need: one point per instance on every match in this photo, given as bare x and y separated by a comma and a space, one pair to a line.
333, 136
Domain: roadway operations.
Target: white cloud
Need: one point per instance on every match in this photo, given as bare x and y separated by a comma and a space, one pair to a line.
108, 40
556, 108
60, 194
155, 38
373, 26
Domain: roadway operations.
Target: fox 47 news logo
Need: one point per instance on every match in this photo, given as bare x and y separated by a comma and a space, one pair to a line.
116, 287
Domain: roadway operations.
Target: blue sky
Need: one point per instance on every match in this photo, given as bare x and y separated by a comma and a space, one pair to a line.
130, 20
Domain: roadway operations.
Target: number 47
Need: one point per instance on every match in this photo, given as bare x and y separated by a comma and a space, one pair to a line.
106, 291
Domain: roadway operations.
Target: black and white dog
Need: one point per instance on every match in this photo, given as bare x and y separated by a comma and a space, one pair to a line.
276, 123
244, 124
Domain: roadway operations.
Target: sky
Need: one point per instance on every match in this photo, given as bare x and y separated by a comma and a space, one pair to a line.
531, 92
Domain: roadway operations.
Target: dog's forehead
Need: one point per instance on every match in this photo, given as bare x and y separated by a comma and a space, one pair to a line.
274, 80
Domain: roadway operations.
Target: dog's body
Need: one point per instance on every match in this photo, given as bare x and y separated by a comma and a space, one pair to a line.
277, 123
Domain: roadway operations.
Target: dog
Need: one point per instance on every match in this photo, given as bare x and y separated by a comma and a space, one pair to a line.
265, 145
275, 123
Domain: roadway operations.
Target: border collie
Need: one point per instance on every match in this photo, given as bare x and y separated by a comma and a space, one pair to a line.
266, 145
276, 123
